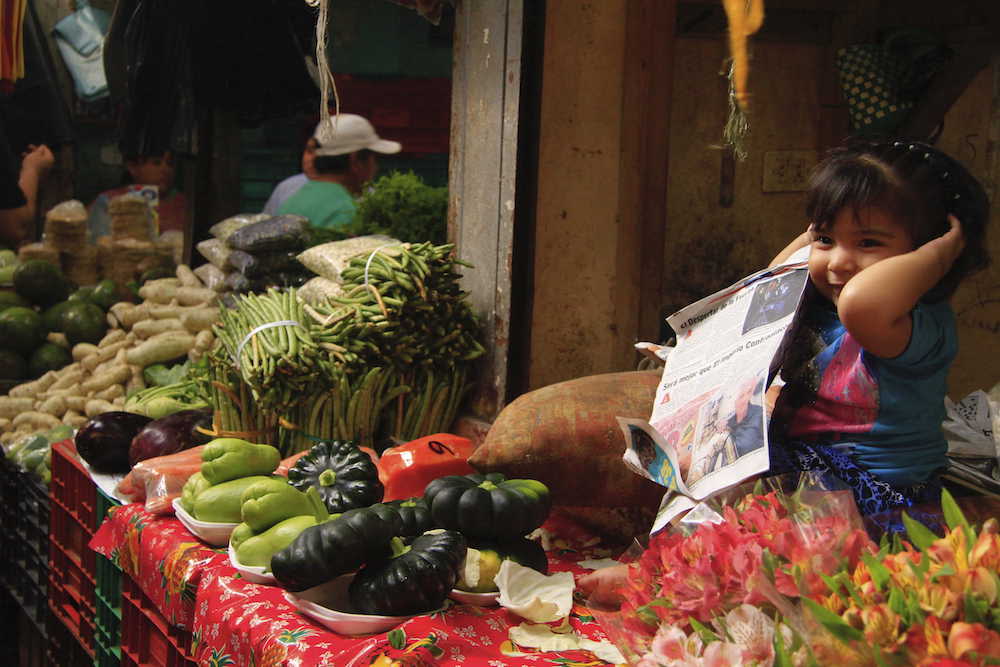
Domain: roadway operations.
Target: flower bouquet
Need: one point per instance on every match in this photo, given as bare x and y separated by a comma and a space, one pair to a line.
771, 577
697, 594
922, 600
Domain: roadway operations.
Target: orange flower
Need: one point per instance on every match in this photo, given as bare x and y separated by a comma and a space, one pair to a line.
934, 635
966, 637
983, 583
881, 625
986, 551
940, 601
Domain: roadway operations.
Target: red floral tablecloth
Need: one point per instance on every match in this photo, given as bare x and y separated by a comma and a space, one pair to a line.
236, 622
160, 555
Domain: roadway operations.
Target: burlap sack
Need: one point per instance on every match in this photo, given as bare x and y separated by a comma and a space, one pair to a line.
566, 436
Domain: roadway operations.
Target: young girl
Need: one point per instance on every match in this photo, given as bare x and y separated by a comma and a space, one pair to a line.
894, 229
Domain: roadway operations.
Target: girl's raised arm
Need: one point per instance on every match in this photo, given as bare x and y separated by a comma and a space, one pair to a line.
875, 303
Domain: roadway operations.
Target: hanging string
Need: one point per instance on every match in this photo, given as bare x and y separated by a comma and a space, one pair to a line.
745, 17
326, 81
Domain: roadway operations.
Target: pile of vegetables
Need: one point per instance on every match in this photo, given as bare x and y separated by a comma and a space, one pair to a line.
42, 315
172, 323
407, 555
33, 453
387, 359
402, 312
401, 205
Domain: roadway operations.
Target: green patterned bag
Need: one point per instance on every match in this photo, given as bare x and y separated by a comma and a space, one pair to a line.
882, 82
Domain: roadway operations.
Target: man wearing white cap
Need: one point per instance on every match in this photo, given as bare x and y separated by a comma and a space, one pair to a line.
342, 151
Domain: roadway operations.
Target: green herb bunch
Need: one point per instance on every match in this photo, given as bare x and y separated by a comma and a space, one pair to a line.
402, 206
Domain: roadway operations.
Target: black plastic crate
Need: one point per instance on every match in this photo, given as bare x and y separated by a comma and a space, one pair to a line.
33, 514
25, 542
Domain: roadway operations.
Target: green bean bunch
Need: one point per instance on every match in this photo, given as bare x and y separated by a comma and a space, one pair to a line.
278, 363
402, 309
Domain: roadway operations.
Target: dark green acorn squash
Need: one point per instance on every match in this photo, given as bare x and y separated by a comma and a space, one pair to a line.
414, 579
325, 551
344, 475
488, 506
415, 516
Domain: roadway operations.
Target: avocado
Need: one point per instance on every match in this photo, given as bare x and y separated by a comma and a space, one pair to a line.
21, 329
41, 282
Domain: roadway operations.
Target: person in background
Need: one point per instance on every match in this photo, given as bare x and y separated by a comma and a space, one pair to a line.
291, 185
19, 191
155, 170
343, 152
894, 229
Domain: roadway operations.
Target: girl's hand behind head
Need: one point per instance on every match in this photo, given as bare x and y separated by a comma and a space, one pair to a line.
949, 245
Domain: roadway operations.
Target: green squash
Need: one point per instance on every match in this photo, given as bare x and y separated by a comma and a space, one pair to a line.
488, 506
415, 516
413, 579
344, 476
325, 551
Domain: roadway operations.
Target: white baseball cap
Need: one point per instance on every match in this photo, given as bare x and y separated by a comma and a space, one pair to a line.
346, 133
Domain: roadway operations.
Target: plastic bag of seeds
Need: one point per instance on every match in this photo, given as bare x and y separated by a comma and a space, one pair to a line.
283, 232
329, 259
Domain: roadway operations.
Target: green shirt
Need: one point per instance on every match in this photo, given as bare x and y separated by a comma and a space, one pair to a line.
327, 205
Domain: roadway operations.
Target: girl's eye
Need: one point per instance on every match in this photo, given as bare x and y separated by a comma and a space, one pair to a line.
822, 240
869, 243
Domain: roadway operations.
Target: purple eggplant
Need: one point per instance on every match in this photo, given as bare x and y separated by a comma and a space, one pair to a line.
105, 440
171, 434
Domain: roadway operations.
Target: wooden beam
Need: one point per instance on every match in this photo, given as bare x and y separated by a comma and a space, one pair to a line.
648, 90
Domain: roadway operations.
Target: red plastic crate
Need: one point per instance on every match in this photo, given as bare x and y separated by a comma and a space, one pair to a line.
71, 485
146, 636
71, 597
63, 648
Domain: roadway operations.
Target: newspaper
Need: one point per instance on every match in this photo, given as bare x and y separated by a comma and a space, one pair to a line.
708, 427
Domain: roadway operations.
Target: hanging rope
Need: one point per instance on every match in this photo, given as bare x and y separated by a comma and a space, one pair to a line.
326, 81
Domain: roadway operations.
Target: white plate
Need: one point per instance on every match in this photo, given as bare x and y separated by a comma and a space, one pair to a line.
329, 605
216, 534
475, 599
256, 575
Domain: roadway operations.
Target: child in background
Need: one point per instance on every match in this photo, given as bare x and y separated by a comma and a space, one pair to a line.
155, 170
894, 228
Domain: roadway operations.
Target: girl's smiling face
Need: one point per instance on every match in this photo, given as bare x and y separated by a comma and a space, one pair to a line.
852, 243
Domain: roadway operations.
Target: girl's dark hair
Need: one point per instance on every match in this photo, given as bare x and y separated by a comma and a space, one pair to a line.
915, 183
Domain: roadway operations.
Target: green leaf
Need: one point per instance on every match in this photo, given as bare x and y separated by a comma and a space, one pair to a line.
769, 562
914, 614
952, 512
835, 624
945, 571
781, 655
397, 638
919, 534
880, 575
706, 634
896, 601
977, 609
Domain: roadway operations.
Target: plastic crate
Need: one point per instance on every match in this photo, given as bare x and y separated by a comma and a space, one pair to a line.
25, 542
71, 485
107, 652
107, 598
146, 636
72, 580
63, 649
33, 514
31, 643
